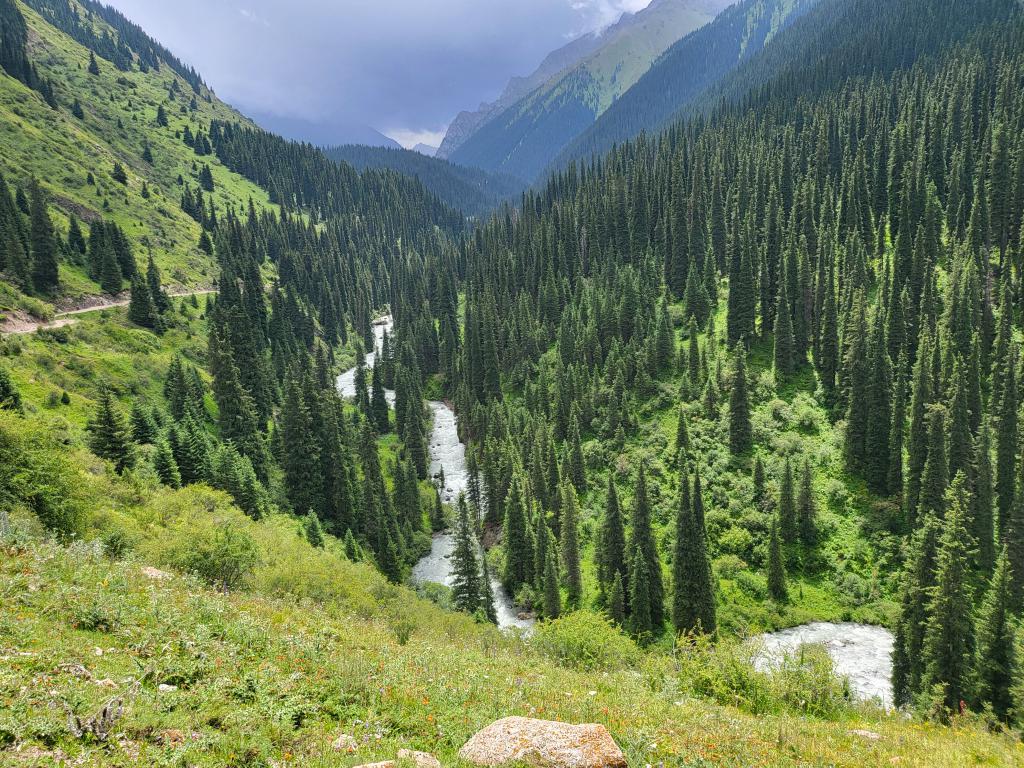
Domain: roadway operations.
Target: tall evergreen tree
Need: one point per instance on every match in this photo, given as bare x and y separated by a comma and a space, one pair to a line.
466, 582
740, 430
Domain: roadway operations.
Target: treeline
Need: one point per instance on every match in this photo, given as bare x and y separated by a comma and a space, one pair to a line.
121, 50
14, 54
300, 176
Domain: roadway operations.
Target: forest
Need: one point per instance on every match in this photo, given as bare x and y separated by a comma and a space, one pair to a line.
759, 368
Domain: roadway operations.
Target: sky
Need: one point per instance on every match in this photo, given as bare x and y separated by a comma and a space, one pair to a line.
404, 67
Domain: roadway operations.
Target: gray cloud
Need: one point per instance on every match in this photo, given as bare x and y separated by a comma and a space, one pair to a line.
401, 66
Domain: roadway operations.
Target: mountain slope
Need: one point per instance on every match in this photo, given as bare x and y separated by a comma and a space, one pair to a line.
118, 123
467, 123
692, 65
470, 190
526, 136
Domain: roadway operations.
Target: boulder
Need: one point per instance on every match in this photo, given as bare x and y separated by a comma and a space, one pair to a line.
345, 743
383, 764
544, 744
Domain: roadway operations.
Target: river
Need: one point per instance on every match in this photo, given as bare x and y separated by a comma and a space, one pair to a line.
447, 455
862, 653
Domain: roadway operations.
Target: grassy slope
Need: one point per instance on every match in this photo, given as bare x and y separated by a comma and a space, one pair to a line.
101, 348
264, 680
61, 151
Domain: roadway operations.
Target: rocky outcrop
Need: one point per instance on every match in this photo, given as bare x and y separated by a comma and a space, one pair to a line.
544, 744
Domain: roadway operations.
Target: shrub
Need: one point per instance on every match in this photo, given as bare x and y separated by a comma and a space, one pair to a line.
585, 640
225, 561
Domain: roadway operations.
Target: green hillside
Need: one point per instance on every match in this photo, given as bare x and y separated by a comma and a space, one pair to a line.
119, 121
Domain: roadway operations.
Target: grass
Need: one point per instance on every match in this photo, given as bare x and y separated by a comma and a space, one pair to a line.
266, 677
120, 119
100, 349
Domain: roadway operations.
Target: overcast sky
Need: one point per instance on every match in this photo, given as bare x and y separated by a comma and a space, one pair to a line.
404, 67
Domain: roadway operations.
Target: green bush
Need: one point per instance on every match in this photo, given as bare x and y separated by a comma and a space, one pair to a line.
585, 640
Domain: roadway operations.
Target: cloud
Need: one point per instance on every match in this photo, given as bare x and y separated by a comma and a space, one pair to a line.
409, 138
404, 66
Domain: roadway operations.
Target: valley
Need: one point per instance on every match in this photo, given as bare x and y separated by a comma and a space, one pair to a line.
678, 394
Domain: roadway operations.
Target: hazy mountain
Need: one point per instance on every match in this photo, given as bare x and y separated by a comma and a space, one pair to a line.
425, 149
466, 123
323, 134
524, 137
470, 190
687, 69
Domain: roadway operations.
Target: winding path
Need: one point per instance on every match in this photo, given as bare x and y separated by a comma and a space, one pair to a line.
18, 322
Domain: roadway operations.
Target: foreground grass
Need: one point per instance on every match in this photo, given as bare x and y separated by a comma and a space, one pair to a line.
267, 678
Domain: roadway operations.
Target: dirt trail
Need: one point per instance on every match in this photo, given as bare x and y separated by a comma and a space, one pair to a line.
18, 322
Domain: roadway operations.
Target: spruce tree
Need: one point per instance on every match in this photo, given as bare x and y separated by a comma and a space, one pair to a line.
807, 514
787, 506
575, 466
108, 434
466, 583
995, 662
1006, 442
552, 592
693, 600
570, 547
165, 466
378, 403
10, 397
740, 430
948, 652
784, 344
611, 556
517, 541
643, 547
617, 601
43, 241
776, 568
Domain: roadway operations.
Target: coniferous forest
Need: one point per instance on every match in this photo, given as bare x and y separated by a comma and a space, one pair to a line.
756, 366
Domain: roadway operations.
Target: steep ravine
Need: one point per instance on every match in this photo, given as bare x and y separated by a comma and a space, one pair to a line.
447, 455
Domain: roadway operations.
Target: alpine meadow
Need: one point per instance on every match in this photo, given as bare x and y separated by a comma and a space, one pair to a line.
669, 414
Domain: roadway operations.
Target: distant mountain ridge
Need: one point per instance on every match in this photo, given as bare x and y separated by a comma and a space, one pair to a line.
472, 191
689, 68
523, 138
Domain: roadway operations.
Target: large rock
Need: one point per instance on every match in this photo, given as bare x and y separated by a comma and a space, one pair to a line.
544, 744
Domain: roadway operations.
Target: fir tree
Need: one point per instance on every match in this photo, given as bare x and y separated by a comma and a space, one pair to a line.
740, 430
466, 583
108, 435
570, 547
776, 569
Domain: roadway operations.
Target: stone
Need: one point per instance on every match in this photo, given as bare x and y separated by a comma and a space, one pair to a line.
865, 734
543, 744
383, 764
419, 759
155, 573
166, 688
345, 743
